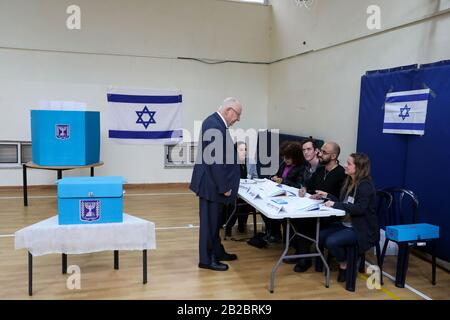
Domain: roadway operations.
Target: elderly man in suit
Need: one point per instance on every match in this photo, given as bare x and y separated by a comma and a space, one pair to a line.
215, 180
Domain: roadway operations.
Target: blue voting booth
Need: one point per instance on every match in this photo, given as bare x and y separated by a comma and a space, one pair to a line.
65, 138
87, 200
414, 162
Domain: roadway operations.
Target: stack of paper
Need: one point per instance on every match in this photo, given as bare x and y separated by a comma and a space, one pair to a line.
294, 204
247, 181
268, 189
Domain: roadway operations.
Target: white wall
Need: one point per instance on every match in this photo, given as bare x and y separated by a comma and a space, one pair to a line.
41, 60
134, 44
318, 93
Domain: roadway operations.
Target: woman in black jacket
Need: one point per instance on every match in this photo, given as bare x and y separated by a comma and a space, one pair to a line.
359, 226
291, 169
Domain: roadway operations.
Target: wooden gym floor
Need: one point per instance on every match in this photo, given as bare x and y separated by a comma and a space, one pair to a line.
173, 271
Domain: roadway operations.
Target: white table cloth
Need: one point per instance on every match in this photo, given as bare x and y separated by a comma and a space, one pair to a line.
47, 236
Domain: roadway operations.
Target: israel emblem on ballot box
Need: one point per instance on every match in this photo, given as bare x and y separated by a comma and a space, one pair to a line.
89, 210
62, 131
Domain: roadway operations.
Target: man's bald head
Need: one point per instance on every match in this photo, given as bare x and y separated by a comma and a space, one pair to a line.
231, 110
336, 149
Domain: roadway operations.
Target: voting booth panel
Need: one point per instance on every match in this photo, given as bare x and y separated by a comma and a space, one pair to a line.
65, 138
414, 162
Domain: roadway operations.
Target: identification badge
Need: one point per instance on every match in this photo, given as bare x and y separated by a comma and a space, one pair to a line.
351, 200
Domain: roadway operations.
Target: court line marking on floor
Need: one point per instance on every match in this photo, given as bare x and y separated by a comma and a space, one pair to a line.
126, 195
382, 289
417, 292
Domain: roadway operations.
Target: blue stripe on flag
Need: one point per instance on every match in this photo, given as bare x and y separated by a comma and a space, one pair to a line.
127, 98
123, 134
408, 98
404, 126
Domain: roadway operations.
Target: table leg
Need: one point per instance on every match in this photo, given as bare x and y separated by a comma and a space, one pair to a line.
254, 224
92, 171
225, 226
327, 268
116, 259
64, 263
144, 265
274, 269
30, 274
25, 185
402, 265
433, 262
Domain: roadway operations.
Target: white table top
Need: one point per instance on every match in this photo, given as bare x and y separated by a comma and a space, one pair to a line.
48, 236
263, 205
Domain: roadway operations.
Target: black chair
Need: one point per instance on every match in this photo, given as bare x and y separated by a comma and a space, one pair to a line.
405, 210
383, 205
236, 213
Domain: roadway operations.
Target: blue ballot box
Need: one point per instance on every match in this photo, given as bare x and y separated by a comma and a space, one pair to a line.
65, 138
87, 200
412, 232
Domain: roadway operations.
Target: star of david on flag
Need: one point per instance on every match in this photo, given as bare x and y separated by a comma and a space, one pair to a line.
405, 112
144, 115
141, 114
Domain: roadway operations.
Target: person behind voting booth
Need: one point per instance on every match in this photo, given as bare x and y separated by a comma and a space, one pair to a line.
247, 168
328, 177
289, 173
359, 226
215, 180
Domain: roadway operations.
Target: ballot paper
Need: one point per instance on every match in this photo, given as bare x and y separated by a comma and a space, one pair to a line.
267, 189
292, 204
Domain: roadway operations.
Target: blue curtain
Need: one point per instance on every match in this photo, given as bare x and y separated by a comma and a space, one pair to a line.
418, 163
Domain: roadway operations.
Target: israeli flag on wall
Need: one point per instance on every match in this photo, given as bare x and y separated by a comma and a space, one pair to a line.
145, 116
405, 112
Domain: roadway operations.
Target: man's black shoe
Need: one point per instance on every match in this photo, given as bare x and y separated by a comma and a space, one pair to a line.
227, 257
216, 266
303, 266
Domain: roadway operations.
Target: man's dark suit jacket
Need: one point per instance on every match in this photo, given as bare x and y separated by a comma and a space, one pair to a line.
211, 180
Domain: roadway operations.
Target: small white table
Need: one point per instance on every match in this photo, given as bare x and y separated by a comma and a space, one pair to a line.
48, 237
262, 206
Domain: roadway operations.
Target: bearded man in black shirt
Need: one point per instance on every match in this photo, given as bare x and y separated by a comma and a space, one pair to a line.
328, 177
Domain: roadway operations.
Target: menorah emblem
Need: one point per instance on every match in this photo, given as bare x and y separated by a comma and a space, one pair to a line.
89, 210
62, 131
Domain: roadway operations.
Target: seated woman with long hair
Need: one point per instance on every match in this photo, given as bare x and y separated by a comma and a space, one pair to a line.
359, 226
289, 173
